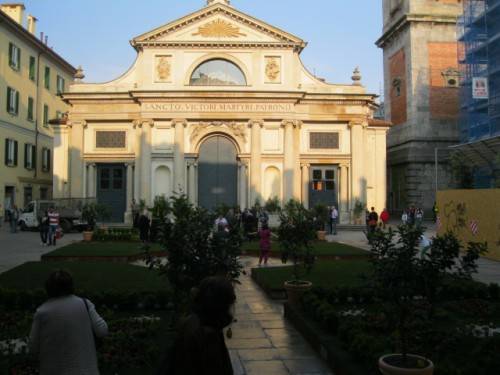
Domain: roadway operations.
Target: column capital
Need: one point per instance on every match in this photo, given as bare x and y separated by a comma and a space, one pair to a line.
256, 122
91, 164
305, 165
358, 122
293, 123
344, 165
179, 121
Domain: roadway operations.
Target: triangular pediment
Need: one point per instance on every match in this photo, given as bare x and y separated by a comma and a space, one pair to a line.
218, 24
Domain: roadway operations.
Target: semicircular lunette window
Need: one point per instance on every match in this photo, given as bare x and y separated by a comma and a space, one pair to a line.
218, 72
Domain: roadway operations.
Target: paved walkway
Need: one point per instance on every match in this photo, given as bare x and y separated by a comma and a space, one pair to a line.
18, 248
263, 341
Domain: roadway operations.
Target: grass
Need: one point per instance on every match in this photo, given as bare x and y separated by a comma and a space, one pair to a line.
103, 249
325, 273
91, 276
321, 248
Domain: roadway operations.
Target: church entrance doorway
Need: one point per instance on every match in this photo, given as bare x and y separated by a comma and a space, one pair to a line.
323, 187
217, 173
111, 189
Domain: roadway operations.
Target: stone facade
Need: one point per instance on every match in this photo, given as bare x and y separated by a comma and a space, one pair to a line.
421, 95
219, 89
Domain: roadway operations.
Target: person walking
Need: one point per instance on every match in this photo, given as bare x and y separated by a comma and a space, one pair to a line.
144, 226
404, 217
385, 217
221, 223
419, 216
53, 224
63, 330
200, 348
372, 222
334, 215
264, 244
13, 218
44, 228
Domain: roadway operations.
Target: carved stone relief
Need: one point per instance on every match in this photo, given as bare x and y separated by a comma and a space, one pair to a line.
238, 131
163, 68
273, 69
219, 29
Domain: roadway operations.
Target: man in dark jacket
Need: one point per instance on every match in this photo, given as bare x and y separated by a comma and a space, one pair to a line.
199, 348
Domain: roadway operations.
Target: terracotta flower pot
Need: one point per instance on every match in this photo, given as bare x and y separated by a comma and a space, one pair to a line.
321, 235
87, 236
388, 369
295, 290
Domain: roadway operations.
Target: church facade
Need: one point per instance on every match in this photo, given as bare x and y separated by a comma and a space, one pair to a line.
219, 106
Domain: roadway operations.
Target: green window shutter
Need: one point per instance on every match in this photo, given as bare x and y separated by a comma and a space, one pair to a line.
33, 157
18, 62
8, 99
17, 103
26, 155
30, 108
32, 68
49, 159
7, 151
11, 52
15, 153
47, 78
45, 115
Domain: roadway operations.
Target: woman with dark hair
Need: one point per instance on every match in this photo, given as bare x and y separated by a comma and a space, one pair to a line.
199, 348
264, 244
63, 330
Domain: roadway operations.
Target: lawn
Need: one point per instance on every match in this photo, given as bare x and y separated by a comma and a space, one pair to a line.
89, 276
103, 249
321, 248
326, 273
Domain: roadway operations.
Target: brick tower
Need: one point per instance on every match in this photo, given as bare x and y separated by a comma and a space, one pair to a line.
421, 82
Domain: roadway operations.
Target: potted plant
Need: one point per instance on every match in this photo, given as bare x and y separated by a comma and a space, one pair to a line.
358, 210
295, 234
320, 214
90, 213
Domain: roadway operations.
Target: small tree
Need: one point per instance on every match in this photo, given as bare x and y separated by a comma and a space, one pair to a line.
273, 205
295, 234
92, 212
194, 250
358, 209
320, 216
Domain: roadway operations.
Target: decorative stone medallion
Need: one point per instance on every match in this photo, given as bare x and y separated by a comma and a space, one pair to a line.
163, 68
219, 29
273, 69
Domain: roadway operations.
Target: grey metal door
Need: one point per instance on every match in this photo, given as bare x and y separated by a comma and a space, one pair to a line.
217, 174
323, 186
111, 189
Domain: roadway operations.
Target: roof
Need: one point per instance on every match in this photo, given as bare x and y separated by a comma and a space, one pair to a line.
480, 153
5, 19
379, 123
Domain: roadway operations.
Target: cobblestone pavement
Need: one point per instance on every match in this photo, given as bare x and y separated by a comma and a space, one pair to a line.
18, 248
263, 341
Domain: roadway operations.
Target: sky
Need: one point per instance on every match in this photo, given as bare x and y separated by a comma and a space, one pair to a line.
96, 33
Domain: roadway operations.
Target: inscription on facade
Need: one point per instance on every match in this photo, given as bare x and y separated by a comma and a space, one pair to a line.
218, 107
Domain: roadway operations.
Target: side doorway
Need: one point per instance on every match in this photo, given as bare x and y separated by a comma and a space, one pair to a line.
111, 189
323, 186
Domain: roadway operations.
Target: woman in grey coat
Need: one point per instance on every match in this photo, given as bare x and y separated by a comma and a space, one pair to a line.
64, 328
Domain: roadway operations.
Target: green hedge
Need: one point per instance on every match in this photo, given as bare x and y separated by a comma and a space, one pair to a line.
115, 234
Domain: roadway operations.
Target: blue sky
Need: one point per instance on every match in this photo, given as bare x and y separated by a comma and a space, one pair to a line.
96, 33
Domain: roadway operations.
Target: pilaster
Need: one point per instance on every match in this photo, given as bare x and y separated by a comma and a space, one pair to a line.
255, 161
305, 173
60, 161
146, 161
179, 163
358, 176
76, 160
130, 186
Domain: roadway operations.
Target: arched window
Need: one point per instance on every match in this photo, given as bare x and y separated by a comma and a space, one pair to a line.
218, 72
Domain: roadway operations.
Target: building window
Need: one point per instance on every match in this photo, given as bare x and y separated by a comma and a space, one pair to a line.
29, 156
323, 179
14, 56
12, 101
110, 139
60, 84
46, 160
10, 152
44, 193
47, 78
32, 72
324, 140
396, 84
218, 72
451, 77
30, 108
45, 115
28, 195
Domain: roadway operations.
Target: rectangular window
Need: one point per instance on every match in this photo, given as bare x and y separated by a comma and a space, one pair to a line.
10, 152
110, 139
28, 195
60, 84
45, 115
14, 56
47, 78
30, 108
323, 140
12, 101
29, 156
46, 158
44, 193
32, 72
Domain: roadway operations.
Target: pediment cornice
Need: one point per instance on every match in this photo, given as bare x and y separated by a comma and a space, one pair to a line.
282, 38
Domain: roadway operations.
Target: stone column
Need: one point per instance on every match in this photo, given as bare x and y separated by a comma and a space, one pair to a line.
130, 195
192, 182
146, 187
255, 161
179, 163
305, 168
243, 185
138, 163
75, 180
91, 181
289, 161
381, 170
359, 183
344, 195
60, 160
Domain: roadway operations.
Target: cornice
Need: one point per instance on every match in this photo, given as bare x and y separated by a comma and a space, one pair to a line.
216, 45
407, 19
